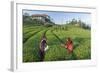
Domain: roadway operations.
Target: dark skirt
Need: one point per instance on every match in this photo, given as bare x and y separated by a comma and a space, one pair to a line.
42, 54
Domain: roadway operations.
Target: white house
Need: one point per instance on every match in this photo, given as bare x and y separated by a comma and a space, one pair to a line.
43, 17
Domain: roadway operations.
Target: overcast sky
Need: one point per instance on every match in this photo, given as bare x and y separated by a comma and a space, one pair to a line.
62, 17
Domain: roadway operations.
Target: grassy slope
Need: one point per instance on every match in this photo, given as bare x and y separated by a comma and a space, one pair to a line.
31, 47
80, 37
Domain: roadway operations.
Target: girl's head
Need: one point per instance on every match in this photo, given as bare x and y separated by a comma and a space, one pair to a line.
69, 39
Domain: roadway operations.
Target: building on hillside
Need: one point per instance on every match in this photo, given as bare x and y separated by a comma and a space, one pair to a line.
43, 18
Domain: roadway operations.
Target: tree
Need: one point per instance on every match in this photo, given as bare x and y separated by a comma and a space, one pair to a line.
25, 14
26, 17
72, 22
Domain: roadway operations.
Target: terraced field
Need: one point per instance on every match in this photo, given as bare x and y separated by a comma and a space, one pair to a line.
55, 37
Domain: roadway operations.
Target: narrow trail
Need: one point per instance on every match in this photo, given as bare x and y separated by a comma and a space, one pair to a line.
45, 32
61, 41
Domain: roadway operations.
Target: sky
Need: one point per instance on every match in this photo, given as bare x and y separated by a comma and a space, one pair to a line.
61, 17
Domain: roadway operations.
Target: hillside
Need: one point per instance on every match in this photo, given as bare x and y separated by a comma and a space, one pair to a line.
55, 37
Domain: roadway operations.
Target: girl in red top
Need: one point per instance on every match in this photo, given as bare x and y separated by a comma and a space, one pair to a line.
69, 45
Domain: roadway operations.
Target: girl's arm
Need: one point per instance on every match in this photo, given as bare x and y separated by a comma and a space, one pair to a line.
40, 44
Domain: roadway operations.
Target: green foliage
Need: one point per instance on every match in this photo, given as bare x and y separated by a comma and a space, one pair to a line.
83, 51
79, 23
56, 35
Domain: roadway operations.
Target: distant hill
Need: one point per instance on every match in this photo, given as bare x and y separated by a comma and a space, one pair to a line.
37, 19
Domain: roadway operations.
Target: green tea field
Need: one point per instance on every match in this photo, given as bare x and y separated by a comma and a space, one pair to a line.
56, 35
